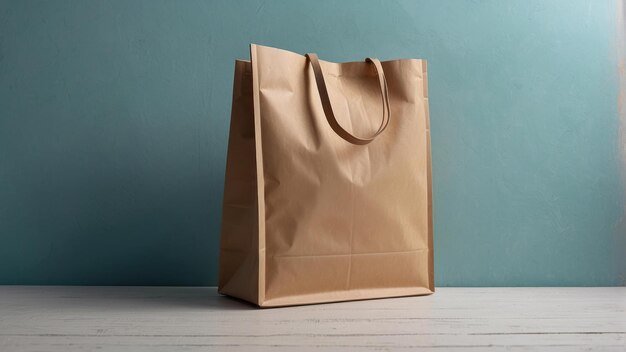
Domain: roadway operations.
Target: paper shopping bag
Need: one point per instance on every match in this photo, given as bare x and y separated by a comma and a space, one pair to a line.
328, 184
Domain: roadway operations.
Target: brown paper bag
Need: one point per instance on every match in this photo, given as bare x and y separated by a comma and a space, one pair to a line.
328, 187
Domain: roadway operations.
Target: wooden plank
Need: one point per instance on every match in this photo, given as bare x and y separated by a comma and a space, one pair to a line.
183, 318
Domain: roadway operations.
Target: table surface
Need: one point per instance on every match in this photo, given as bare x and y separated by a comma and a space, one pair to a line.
62, 318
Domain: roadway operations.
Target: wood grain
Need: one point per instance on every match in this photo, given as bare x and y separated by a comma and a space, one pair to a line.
57, 318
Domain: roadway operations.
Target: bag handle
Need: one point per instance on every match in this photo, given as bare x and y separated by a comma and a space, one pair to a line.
328, 109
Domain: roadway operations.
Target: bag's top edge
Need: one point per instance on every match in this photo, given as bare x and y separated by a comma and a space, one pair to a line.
345, 62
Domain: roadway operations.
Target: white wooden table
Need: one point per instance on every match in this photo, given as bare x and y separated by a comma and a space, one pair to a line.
194, 319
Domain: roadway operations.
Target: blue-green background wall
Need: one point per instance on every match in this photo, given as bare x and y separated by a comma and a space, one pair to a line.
114, 121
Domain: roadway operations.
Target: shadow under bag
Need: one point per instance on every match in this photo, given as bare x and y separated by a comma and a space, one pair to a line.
328, 183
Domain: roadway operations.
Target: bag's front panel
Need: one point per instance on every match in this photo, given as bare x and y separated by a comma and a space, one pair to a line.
342, 221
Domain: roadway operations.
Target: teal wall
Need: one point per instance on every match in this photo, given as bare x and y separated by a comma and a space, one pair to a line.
114, 121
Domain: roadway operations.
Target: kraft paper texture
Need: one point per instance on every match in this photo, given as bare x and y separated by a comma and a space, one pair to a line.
328, 183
